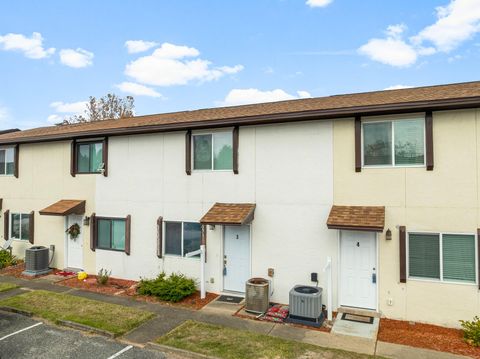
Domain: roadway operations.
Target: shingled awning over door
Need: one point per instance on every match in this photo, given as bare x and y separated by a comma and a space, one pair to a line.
65, 207
229, 214
358, 218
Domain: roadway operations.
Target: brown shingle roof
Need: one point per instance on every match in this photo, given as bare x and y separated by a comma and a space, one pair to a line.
366, 218
417, 99
229, 214
65, 207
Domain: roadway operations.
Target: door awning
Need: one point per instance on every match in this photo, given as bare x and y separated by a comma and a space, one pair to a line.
229, 214
65, 207
358, 218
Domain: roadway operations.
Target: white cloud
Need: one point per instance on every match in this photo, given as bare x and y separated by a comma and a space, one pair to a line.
76, 58
72, 107
31, 47
55, 119
318, 3
135, 46
137, 89
392, 50
398, 87
169, 65
456, 22
253, 95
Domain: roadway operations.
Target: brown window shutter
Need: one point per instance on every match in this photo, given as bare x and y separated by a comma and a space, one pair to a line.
403, 254
6, 224
31, 224
188, 152
235, 149
93, 232
73, 158
478, 255
16, 160
159, 236
358, 144
128, 225
429, 140
105, 157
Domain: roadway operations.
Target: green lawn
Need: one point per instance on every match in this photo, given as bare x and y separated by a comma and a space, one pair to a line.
7, 286
230, 343
113, 318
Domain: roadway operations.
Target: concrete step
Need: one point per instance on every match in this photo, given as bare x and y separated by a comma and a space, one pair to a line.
359, 311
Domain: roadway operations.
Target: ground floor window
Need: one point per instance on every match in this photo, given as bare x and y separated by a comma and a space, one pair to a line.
111, 233
442, 256
182, 237
20, 226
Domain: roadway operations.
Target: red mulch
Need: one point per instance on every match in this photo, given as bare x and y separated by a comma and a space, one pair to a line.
113, 286
426, 336
191, 302
16, 271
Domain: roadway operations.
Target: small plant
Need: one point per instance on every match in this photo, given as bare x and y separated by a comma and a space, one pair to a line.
7, 259
103, 276
73, 231
172, 289
471, 331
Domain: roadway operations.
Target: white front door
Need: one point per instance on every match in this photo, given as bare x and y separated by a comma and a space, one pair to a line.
236, 258
358, 269
75, 246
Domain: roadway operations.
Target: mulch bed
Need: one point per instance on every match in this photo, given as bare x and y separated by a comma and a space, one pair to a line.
114, 286
426, 336
191, 302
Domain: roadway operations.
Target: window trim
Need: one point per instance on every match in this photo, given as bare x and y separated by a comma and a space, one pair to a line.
15, 160
10, 225
164, 238
392, 121
192, 151
90, 142
442, 280
111, 219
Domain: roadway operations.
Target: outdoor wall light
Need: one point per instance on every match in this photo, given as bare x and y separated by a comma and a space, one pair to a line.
86, 221
388, 235
211, 227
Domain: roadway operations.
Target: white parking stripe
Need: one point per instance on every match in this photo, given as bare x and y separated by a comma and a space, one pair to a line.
121, 352
19, 331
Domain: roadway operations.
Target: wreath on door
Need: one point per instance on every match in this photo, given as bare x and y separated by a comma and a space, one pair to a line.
73, 231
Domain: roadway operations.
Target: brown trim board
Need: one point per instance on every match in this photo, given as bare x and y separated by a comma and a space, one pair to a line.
328, 114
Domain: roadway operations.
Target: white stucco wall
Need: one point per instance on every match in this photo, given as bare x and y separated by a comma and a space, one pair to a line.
287, 170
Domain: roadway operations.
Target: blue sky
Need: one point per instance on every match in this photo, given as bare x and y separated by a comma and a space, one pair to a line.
179, 55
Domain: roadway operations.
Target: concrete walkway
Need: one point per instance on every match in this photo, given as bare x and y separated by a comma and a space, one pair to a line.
168, 318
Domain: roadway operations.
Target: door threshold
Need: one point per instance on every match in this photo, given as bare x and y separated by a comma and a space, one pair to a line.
359, 311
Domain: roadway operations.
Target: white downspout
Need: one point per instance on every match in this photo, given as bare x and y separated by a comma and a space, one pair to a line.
328, 273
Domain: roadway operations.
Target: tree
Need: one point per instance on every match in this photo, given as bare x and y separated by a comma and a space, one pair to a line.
108, 107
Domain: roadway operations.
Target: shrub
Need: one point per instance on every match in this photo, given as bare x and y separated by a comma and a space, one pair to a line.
471, 331
172, 289
7, 259
103, 276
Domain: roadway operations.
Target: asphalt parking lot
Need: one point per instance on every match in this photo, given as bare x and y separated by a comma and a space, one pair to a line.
23, 337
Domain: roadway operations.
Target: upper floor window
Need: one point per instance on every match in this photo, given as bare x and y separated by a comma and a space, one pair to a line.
20, 226
213, 151
89, 157
394, 143
442, 256
182, 237
7, 161
111, 233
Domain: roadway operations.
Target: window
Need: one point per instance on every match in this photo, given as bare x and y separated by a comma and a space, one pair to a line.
213, 151
111, 233
7, 161
20, 226
89, 157
394, 143
182, 237
442, 256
